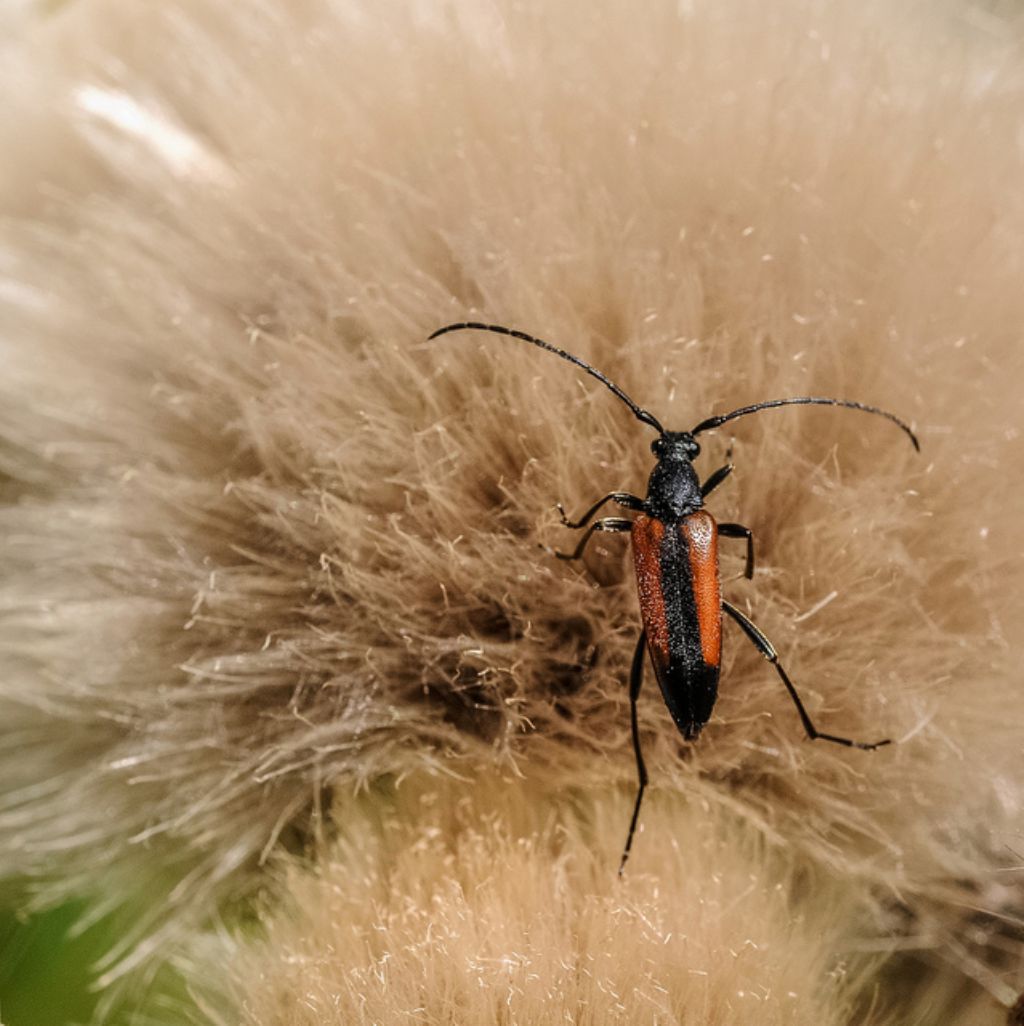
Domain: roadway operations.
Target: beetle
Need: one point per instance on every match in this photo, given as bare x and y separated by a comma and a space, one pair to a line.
675, 555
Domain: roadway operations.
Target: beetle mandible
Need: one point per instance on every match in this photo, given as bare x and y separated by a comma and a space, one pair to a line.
675, 553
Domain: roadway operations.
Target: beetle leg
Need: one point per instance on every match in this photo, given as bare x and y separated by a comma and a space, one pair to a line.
622, 498
739, 531
765, 647
607, 524
636, 679
715, 480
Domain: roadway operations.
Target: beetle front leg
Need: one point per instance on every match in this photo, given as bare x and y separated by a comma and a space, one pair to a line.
607, 524
622, 498
715, 480
767, 649
739, 531
636, 679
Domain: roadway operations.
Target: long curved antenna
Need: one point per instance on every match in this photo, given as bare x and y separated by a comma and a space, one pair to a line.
640, 414
804, 400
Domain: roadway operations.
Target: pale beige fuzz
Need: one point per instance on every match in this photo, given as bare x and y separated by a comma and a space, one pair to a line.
481, 903
264, 546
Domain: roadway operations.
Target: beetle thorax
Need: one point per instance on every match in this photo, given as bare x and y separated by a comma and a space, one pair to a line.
673, 489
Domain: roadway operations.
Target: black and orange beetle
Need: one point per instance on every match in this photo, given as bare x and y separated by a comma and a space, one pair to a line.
675, 552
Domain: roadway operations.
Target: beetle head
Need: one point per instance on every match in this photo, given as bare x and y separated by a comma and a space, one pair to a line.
676, 447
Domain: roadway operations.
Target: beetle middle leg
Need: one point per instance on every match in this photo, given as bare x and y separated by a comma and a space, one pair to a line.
622, 498
767, 649
739, 531
636, 679
607, 524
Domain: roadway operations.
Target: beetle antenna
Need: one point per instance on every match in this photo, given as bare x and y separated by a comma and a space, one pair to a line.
805, 400
640, 414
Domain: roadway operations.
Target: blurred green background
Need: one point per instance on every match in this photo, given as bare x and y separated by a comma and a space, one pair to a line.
48, 972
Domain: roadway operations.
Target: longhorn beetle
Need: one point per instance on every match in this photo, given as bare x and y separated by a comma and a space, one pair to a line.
675, 553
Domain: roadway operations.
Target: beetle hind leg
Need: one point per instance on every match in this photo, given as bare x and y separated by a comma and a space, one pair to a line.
767, 649
636, 679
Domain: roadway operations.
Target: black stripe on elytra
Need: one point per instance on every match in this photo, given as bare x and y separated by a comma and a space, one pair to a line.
688, 684
680, 605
